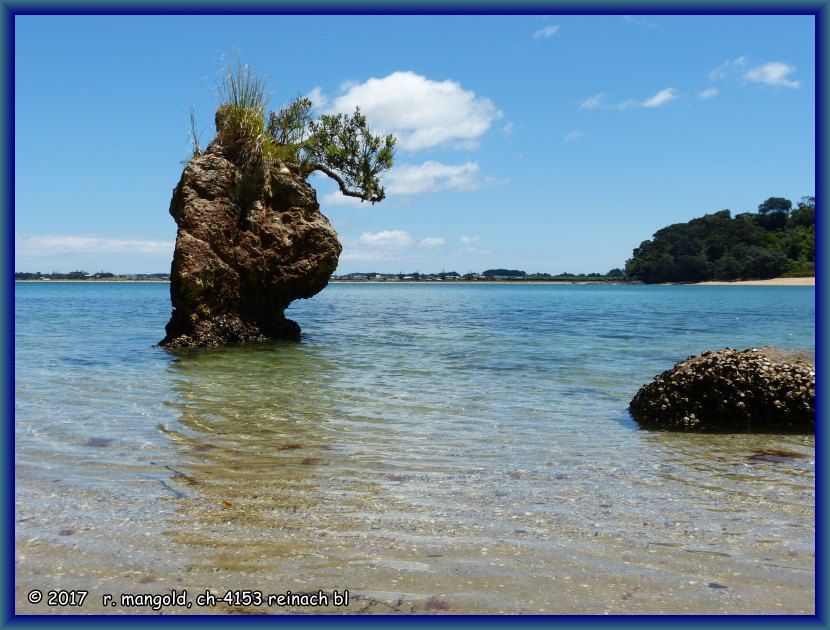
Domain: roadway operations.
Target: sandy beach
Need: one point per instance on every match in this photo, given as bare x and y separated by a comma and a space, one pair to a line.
772, 282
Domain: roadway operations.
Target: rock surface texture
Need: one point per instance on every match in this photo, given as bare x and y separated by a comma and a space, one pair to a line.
248, 244
765, 390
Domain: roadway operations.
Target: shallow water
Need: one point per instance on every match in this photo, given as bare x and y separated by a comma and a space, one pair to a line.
431, 449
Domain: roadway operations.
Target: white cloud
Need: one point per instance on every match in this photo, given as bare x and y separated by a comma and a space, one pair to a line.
386, 238
372, 246
420, 112
598, 101
337, 198
412, 179
432, 241
709, 93
547, 31
318, 98
661, 98
773, 73
48, 244
508, 128
469, 239
573, 135
593, 102
416, 179
727, 69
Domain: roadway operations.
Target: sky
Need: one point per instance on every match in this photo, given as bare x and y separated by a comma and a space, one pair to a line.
549, 143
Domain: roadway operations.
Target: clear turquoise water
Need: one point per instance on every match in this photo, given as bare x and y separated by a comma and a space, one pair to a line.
466, 445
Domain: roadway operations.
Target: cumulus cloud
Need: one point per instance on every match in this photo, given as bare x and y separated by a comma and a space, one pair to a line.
432, 241
661, 98
469, 239
547, 31
48, 244
416, 179
573, 135
773, 73
706, 94
337, 198
386, 238
317, 97
412, 179
592, 102
383, 245
422, 113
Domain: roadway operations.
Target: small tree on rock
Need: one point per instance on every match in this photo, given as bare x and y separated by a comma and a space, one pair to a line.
340, 145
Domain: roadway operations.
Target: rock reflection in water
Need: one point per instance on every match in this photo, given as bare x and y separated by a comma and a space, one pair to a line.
251, 435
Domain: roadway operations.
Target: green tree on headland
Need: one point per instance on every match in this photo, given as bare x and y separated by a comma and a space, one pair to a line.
506, 273
773, 213
341, 145
774, 242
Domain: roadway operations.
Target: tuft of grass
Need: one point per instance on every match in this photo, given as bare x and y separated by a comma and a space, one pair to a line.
242, 88
240, 117
194, 136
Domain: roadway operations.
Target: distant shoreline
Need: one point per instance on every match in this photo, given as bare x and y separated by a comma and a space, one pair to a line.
91, 281
772, 282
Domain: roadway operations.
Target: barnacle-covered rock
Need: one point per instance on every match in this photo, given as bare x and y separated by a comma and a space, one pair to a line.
767, 390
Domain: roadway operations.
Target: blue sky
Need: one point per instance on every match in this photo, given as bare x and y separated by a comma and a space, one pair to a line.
544, 143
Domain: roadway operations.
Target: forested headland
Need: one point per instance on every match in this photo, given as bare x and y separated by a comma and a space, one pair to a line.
776, 241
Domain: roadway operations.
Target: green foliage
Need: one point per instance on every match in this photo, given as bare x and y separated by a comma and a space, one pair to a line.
241, 89
805, 214
775, 205
240, 117
341, 146
773, 213
290, 130
503, 272
774, 242
763, 263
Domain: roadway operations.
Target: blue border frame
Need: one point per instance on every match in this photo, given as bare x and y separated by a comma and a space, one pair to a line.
10, 8
822, 29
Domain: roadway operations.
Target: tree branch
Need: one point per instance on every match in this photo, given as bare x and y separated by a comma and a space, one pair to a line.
343, 188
